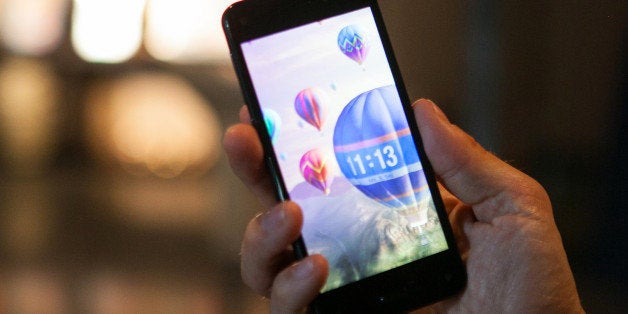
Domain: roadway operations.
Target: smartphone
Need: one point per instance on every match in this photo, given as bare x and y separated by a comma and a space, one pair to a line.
326, 96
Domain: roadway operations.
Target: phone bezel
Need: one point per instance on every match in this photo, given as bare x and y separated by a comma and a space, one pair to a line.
397, 289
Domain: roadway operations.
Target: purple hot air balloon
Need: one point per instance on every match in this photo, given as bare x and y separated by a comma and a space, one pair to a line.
310, 104
376, 153
353, 43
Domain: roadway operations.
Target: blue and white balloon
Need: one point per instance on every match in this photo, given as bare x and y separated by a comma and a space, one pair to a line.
376, 153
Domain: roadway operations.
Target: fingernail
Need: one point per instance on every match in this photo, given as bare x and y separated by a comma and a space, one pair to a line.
439, 112
270, 219
244, 115
303, 269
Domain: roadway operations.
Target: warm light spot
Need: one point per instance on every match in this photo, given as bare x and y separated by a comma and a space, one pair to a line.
28, 111
115, 292
32, 27
186, 31
154, 122
34, 291
107, 31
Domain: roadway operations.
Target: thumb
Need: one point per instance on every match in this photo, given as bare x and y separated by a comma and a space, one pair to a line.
470, 172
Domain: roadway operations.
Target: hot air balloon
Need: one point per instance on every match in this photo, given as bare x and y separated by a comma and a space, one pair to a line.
310, 104
353, 43
273, 123
376, 153
314, 169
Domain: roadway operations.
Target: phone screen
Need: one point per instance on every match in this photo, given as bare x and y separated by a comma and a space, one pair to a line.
343, 145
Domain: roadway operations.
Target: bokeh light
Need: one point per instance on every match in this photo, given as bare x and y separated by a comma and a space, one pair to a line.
32, 27
182, 206
28, 111
34, 291
107, 31
186, 31
114, 292
155, 123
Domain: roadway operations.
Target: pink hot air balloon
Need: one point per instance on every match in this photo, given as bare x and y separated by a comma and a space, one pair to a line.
314, 169
310, 104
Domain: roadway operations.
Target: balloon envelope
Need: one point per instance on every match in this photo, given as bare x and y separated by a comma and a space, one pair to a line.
314, 169
353, 42
273, 123
376, 153
310, 104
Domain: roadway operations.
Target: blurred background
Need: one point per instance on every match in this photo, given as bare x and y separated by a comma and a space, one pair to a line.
115, 195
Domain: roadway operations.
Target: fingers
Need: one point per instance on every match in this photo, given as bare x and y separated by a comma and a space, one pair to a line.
244, 115
266, 245
266, 248
472, 174
460, 216
246, 157
295, 287
449, 200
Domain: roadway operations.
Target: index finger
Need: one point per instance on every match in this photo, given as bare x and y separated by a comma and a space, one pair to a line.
246, 157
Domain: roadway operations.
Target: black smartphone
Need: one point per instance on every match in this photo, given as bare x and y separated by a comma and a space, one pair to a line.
325, 94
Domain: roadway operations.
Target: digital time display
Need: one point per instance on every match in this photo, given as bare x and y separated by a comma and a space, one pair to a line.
384, 158
378, 160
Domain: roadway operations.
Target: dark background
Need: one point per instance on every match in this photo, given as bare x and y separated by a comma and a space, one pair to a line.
543, 86
540, 84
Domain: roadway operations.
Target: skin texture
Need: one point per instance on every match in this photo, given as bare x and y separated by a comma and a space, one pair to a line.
502, 220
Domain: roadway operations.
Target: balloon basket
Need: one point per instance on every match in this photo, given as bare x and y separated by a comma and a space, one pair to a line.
416, 217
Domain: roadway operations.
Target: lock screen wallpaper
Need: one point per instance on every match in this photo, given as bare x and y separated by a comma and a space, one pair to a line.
343, 145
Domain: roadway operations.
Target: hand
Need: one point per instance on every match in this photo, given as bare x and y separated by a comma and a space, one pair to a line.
502, 220
268, 265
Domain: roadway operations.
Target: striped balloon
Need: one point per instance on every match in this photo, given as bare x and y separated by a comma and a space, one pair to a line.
310, 104
376, 153
314, 169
